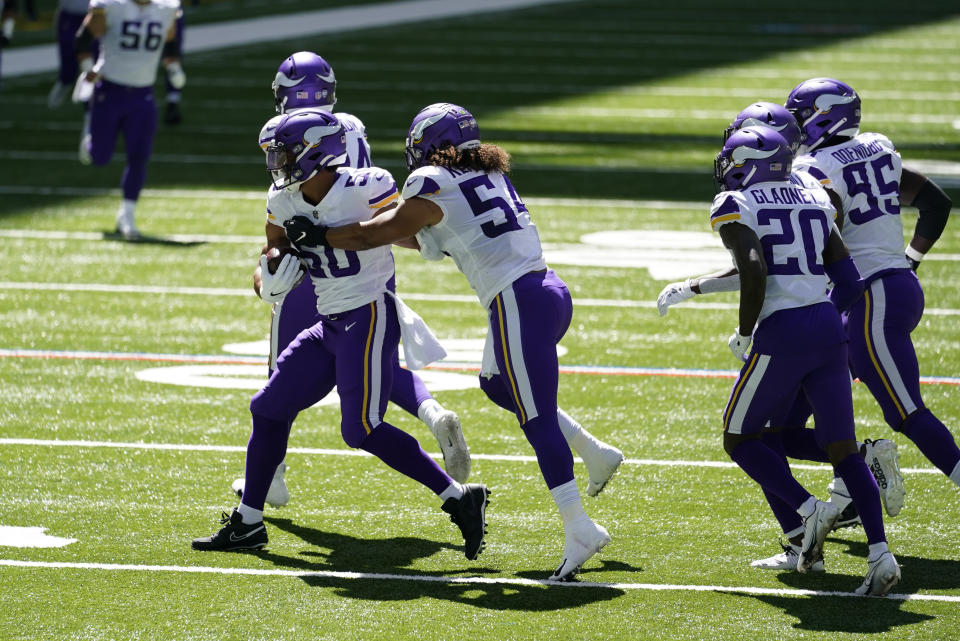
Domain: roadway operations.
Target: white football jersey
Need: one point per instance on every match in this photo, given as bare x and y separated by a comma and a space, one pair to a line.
793, 222
865, 172
74, 6
343, 280
486, 228
130, 50
358, 149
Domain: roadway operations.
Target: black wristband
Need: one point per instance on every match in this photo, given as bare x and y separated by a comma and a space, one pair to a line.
934, 206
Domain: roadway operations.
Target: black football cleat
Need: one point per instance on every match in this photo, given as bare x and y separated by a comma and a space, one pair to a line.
468, 514
172, 114
234, 535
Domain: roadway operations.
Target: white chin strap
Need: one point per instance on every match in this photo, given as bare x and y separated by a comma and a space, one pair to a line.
826, 136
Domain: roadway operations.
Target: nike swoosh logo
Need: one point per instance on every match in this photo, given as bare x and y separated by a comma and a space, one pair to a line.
272, 294
234, 538
302, 235
347, 328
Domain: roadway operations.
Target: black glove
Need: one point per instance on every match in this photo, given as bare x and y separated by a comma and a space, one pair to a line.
303, 233
913, 263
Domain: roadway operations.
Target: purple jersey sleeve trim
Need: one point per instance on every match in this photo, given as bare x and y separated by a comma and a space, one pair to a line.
385, 195
816, 173
429, 186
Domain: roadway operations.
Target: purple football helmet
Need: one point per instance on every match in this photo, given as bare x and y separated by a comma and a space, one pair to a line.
304, 80
303, 144
440, 125
768, 114
752, 155
824, 108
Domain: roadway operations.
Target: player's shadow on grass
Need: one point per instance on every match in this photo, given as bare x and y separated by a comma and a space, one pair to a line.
144, 239
393, 556
864, 615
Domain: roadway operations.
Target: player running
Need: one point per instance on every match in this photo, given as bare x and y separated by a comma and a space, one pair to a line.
304, 81
459, 202
785, 245
354, 344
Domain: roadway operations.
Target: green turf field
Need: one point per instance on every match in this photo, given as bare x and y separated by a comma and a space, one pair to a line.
613, 113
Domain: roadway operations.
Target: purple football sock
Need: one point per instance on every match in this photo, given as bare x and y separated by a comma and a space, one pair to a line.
265, 450
553, 453
933, 439
786, 516
408, 390
770, 470
403, 453
866, 496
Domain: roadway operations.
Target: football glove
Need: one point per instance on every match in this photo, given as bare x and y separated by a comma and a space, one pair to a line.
672, 294
739, 345
303, 233
274, 287
175, 75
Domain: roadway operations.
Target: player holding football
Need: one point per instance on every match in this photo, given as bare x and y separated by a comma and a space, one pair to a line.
354, 344
304, 80
133, 36
458, 201
785, 245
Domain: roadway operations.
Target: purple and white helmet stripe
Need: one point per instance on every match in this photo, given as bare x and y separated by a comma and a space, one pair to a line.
437, 126
768, 114
824, 108
304, 143
304, 80
752, 155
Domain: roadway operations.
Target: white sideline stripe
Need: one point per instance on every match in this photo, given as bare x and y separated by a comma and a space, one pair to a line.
40, 58
513, 458
261, 195
469, 580
439, 298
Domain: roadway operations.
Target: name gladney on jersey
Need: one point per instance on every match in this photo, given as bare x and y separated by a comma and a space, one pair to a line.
782, 196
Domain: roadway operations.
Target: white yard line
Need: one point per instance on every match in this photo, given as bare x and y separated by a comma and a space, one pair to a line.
458, 580
312, 451
20, 61
439, 298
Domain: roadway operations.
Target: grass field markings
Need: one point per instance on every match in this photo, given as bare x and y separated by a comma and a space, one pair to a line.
439, 298
260, 195
469, 580
313, 451
216, 359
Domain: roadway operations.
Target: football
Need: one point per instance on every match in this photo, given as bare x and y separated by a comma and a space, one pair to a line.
276, 254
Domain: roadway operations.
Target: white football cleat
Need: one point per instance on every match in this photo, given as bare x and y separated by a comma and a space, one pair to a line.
456, 455
125, 225
57, 93
83, 153
840, 496
582, 539
882, 574
602, 463
277, 495
883, 460
786, 560
815, 530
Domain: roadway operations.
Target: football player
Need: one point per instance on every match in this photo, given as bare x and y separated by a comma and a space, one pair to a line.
868, 182
354, 344
69, 17
304, 80
458, 201
785, 432
790, 338
8, 11
866, 173
133, 35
